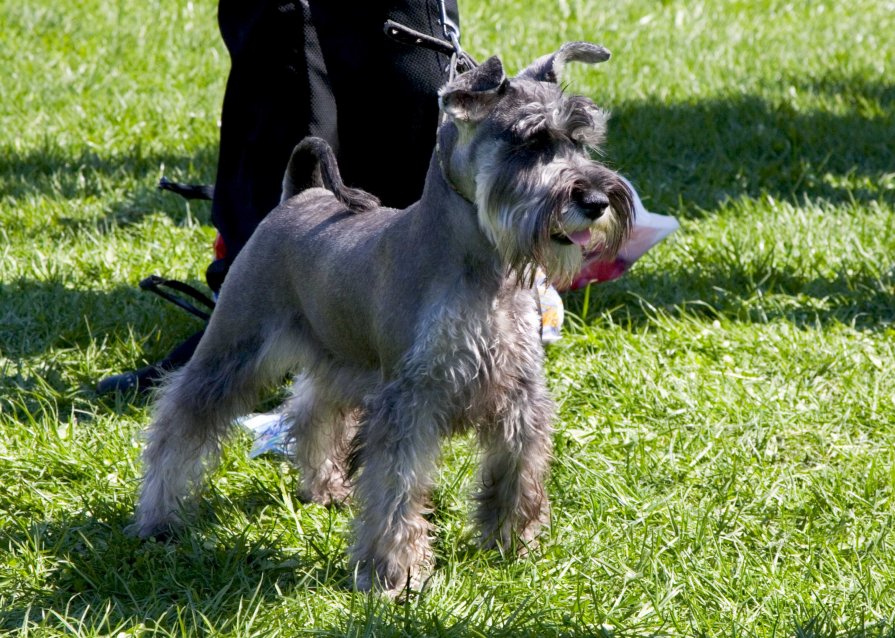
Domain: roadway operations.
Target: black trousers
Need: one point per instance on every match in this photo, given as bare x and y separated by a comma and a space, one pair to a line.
324, 68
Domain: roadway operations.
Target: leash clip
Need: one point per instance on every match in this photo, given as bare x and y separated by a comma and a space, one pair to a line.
454, 37
448, 27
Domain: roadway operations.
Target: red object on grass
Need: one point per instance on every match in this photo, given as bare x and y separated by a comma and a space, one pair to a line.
220, 250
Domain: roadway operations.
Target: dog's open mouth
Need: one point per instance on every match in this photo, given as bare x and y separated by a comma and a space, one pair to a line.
580, 237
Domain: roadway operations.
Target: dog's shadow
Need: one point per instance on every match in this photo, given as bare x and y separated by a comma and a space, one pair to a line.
54, 172
44, 312
207, 575
51, 329
51, 314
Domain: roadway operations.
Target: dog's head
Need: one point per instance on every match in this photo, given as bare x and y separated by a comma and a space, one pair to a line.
521, 150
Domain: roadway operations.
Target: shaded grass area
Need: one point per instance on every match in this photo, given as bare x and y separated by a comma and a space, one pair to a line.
724, 459
748, 145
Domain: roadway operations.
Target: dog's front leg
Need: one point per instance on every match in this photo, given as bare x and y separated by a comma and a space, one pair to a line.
399, 441
513, 503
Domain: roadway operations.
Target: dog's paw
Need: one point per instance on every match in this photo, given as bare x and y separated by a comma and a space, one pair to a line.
327, 499
329, 494
364, 581
509, 543
396, 589
332, 496
162, 532
396, 577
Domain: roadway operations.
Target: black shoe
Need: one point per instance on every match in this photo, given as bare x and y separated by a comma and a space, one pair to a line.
141, 380
148, 377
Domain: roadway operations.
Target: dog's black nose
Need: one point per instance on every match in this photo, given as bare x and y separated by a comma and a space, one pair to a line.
592, 203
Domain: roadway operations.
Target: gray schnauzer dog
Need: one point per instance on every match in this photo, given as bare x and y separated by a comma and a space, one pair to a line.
406, 325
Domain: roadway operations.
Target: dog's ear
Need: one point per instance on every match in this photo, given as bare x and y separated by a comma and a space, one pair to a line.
548, 68
472, 95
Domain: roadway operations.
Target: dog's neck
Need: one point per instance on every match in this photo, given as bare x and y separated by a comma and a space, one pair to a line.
446, 141
443, 169
445, 211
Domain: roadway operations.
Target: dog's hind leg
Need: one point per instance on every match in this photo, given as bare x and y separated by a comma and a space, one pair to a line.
193, 415
321, 432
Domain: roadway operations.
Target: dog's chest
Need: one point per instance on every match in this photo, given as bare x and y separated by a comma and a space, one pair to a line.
475, 351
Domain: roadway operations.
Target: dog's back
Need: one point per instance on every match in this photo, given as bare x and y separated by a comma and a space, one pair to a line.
354, 281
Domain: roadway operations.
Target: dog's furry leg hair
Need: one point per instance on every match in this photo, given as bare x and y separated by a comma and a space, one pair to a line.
517, 441
397, 446
194, 412
322, 427
512, 503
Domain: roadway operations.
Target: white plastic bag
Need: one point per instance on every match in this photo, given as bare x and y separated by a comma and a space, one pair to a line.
648, 230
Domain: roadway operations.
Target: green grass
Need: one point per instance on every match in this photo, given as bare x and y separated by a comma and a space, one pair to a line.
724, 454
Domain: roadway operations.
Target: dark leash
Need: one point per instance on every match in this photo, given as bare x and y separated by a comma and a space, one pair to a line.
157, 285
161, 286
460, 62
187, 191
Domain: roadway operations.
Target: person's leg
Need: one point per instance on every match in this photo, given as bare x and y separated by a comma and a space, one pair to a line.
386, 93
315, 68
276, 95
267, 109
323, 68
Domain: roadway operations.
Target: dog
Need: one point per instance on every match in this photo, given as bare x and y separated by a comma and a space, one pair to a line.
406, 325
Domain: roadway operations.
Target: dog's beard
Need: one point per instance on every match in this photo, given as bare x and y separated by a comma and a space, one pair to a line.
562, 263
516, 214
532, 230
518, 234
526, 238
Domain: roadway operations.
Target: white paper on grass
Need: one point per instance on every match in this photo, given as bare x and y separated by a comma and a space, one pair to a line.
270, 433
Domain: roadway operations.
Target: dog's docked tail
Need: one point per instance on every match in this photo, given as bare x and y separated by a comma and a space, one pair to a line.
313, 165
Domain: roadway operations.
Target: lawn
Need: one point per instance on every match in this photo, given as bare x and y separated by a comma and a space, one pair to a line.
725, 449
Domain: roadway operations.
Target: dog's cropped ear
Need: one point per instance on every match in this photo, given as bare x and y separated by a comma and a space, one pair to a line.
472, 95
548, 68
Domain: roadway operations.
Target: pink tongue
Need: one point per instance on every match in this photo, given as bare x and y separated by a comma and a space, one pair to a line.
581, 237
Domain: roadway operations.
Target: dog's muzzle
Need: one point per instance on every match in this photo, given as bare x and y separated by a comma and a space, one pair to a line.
591, 204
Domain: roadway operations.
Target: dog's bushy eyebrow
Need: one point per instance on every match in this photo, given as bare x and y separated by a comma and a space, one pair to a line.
584, 120
574, 117
576, 112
